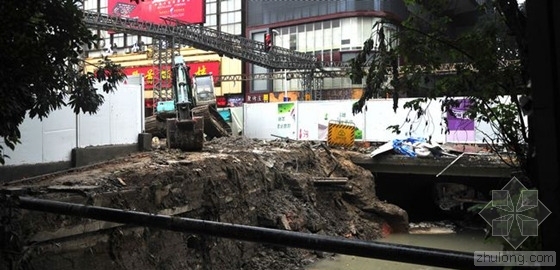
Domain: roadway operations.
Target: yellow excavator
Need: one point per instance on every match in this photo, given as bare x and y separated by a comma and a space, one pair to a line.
192, 116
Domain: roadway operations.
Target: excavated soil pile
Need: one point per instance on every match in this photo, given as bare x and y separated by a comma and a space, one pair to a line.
274, 184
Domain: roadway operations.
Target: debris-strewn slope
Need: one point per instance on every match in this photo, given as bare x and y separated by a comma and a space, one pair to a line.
234, 180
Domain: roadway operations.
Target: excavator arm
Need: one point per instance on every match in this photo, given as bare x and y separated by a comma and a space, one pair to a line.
185, 131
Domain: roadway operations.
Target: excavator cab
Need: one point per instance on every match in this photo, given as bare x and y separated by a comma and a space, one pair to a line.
185, 131
203, 86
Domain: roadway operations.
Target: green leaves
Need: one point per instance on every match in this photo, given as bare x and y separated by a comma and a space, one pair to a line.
42, 43
110, 73
442, 51
382, 62
395, 129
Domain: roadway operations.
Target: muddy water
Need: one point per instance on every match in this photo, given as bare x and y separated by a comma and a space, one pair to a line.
468, 241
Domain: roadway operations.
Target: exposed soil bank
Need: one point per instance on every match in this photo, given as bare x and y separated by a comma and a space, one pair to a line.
234, 180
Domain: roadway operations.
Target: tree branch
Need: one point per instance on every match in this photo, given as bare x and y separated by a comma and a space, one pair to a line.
447, 43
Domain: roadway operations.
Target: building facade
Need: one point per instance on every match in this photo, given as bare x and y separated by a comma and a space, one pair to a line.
135, 53
332, 31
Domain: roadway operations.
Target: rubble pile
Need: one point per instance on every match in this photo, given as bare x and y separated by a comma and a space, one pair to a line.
278, 184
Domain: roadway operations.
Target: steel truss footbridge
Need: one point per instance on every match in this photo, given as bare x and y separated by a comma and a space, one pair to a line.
169, 35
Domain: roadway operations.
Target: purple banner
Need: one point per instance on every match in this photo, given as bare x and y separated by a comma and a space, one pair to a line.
461, 128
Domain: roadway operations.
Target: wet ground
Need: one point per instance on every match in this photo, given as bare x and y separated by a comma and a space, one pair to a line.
465, 240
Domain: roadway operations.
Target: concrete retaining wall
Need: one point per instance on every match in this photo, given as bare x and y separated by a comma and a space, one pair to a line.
80, 157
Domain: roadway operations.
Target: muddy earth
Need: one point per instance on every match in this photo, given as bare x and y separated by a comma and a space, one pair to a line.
273, 184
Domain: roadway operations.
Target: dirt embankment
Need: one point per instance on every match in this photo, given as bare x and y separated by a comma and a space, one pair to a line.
234, 180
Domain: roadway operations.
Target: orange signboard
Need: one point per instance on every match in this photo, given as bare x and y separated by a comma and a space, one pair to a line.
204, 68
149, 75
149, 72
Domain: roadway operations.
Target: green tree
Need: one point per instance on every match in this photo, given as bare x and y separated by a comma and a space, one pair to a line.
42, 64
484, 60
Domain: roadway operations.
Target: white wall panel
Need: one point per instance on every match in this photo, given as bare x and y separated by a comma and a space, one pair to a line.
236, 120
118, 121
59, 133
484, 131
93, 128
380, 115
57, 145
126, 114
30, 150
263, 120
314, 117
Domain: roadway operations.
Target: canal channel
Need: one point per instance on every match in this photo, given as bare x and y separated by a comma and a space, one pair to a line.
436, 222
463, 240
440, 202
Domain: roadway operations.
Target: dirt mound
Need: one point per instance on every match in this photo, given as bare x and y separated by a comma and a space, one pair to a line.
275, 184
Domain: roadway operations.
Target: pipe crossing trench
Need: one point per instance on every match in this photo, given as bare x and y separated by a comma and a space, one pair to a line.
370, 249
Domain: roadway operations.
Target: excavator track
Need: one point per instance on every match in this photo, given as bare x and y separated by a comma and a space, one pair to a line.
214, 124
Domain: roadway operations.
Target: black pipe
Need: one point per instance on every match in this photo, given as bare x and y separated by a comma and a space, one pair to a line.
384, 251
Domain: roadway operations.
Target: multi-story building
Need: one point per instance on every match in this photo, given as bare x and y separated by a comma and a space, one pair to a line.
333, 31
136, 53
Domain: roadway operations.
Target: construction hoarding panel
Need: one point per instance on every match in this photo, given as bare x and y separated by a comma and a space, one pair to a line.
286, 120
461, 127
119, 120
318, 114
313, 118
190, 11
380, 116
260, 120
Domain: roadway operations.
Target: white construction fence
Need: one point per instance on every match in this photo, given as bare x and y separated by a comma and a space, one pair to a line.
119, 121
308, 120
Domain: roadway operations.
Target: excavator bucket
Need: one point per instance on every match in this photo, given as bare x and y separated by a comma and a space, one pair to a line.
187, 135
214, 124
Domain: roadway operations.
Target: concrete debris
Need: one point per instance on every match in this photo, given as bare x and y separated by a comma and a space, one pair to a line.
121, 181
234, 180
441, 227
